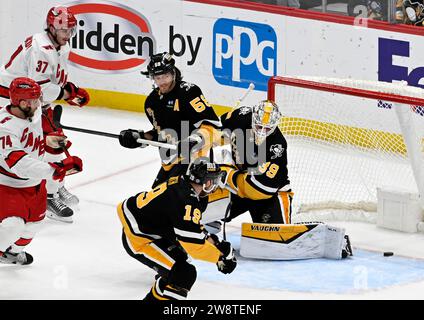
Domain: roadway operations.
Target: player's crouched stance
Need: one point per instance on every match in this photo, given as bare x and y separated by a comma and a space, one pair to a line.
258, 180
161, 228
23, 194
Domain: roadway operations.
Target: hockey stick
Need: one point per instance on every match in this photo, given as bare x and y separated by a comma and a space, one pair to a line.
68, 155
240, 100
57, 114
227, 211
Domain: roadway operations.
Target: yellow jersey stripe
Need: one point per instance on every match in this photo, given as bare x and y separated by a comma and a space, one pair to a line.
246, 190
142, 245
206, 252
157, 295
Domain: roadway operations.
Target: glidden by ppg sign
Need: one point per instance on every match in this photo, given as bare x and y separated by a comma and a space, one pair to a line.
110, 37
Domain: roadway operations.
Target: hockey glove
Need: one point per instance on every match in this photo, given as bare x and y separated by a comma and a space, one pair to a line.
56, 142
228, 262
66, 166
77, 96
128, 139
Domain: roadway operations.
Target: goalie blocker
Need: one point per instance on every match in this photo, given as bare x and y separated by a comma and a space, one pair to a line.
293, 241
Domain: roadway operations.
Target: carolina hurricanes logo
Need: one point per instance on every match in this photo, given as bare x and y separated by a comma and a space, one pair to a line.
110, 37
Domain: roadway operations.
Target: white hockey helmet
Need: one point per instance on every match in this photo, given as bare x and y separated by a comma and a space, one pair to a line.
265, 118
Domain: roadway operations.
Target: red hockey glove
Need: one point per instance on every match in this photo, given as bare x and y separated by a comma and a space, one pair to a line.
77, 96
66, 166
56, 141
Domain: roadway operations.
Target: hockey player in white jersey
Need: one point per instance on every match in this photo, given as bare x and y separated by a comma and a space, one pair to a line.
43, 57
23, 172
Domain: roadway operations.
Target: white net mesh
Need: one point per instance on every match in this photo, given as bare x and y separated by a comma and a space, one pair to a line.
341, 147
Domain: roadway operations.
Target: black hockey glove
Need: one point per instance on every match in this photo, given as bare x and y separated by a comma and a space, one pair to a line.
128, 139
228, 262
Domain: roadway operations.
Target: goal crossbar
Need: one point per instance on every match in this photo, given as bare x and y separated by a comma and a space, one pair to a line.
337, 88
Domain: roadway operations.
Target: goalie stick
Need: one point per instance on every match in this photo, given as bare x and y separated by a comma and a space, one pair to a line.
236, 106
240, 100
57, 114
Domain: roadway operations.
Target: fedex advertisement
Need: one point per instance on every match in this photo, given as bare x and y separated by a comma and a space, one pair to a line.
390, 50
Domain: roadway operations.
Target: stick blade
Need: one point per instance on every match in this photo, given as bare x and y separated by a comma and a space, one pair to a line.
57, 114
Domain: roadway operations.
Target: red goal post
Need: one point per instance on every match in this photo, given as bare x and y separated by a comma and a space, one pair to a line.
348, 137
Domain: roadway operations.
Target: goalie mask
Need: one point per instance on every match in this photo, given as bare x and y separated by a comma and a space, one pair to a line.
201, 171
265, 118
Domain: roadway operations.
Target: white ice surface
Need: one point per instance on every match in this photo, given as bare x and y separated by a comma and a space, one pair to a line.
85, 260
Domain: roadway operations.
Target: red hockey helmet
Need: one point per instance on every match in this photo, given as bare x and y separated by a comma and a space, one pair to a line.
61, 18
23, 89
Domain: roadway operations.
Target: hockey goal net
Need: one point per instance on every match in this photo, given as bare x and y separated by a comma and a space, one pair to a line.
346, 138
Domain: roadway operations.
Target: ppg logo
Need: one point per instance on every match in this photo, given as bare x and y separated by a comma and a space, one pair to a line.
244, 52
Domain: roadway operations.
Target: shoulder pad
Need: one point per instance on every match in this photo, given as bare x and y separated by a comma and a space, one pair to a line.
244, 110
42, 41
187, 85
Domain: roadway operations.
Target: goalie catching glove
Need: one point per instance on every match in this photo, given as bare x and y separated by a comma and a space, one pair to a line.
65, 167
227, 262
77, 96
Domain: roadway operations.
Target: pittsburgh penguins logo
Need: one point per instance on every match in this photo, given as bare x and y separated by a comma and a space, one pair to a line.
277, 150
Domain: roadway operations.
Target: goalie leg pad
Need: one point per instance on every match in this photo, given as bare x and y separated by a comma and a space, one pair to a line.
291, 242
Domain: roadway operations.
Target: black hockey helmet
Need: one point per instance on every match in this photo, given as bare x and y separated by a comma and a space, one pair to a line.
201, 170
160, 63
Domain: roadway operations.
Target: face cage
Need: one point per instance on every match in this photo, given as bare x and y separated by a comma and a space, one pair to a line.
261, 130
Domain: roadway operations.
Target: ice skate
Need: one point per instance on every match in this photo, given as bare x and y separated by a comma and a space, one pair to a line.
21, 258
68, 198
58, 210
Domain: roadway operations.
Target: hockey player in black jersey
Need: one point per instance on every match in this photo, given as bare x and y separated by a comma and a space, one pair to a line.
259, 183
161, 228
259, 180
179, 114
